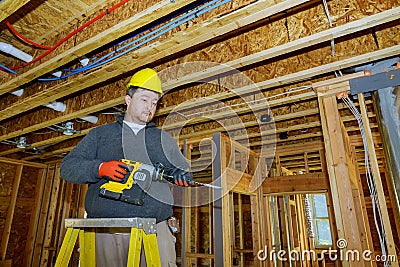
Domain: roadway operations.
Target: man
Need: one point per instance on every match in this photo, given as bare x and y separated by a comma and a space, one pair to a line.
95, 161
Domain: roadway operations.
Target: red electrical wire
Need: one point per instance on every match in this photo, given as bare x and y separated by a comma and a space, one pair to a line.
107, 11
25, 39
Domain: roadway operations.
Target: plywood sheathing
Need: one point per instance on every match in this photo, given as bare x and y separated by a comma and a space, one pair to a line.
24, 207
66, 20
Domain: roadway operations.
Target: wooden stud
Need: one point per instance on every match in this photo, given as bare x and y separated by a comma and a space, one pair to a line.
34, 221
359, 194
196, 233
226, 203
378, 182
329, 203
49, 230
6, 263
241, 239
41, 227
256, 230
186, 218
59, 228
276, 51
10, 213
339, 176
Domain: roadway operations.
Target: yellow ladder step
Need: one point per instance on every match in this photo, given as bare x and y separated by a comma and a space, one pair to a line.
143, 231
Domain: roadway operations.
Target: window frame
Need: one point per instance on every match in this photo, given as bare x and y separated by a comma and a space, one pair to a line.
316, 218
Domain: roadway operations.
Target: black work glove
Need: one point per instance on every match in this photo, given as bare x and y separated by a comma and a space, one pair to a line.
181, 177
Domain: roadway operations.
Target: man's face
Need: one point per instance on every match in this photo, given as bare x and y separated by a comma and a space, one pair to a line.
142, 106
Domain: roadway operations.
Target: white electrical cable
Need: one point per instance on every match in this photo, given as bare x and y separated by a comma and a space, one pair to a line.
371, 182
291, 90
331, 25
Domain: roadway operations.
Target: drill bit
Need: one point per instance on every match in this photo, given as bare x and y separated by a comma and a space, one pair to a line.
208, 185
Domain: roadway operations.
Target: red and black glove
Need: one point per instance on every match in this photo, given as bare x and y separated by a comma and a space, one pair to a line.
181, 177
113, 170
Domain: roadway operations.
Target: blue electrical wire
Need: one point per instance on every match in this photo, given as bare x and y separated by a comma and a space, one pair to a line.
151, 38
179, 21
157, 33
7, 69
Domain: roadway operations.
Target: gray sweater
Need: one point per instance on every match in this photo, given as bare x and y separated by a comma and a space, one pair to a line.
104, 143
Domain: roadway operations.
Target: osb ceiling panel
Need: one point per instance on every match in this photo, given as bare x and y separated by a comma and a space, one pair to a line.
42, 21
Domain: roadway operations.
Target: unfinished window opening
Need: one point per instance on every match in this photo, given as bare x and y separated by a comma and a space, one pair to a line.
297, 223
320, 220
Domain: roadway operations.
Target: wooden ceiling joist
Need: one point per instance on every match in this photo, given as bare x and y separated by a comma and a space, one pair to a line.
87, 12
346, 29
166, 110
135, 22
8, 7
144, 56
46, 142
290, 78
296, 45
279, 81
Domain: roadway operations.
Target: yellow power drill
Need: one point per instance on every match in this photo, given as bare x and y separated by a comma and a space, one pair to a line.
136, 182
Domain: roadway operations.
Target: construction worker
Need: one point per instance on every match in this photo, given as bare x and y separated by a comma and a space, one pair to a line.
95, 161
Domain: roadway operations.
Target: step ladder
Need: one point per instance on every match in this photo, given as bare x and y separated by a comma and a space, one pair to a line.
143, 231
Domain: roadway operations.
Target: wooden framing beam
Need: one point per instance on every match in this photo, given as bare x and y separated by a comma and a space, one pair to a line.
135, 22
381, 18
33, 224
296, 183
88, 12
47, 142
305, 42
144, 56
8, 7
22, 162
280, 81
48, 235
42, 209
341, 177
336, 85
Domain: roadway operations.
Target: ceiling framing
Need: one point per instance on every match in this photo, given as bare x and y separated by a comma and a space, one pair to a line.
279, 45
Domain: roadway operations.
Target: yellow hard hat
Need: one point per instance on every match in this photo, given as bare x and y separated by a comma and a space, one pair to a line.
148, 79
